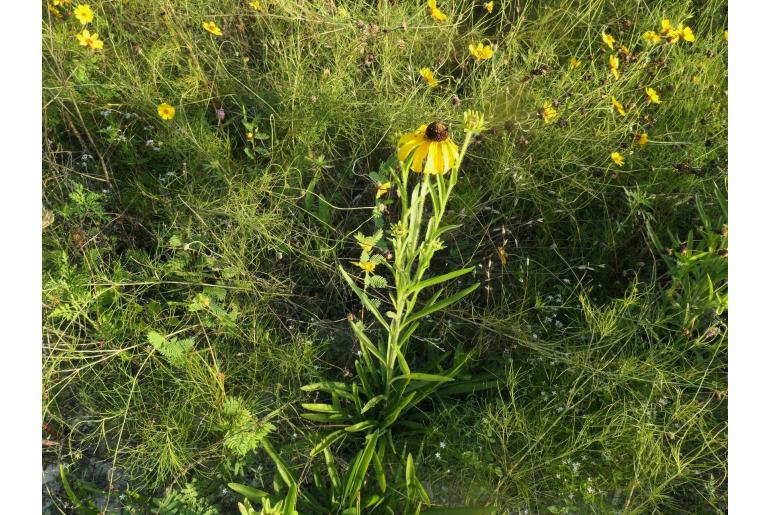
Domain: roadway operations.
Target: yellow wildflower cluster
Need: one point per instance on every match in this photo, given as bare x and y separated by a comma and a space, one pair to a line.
85, 15
669, 33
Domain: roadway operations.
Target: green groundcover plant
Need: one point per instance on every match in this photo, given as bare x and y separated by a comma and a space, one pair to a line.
290, 267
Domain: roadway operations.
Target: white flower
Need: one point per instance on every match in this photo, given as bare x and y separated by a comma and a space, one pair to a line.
442, 444
438, 455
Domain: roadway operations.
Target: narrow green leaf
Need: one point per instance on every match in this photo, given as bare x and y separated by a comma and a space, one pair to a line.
379, 470
320, 408
438, 279
359, 467
327, 441
82, 508
365, 341
341, 389
371, 403
395, 411
419, 376
250, 493
361, 426
283, 470
324, 417
290, 501
432, 308
331, 469
364, 298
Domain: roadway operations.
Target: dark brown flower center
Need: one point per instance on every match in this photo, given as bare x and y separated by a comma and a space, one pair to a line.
437, 131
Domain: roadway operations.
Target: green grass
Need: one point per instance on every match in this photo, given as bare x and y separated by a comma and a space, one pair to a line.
610, 354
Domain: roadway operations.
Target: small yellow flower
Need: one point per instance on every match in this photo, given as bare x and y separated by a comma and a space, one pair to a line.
342, 12
686, 34
367, 266
617, 157
725, 35
435, 12
575, 63
489, 6
609, 40
665, 26
641, 139
651, 37
617, 105
382, 189
60, 2
212, 27
89, 40
429, 77
54, 10
434, 151
473, 121
653, 95
83, 13
250, 136
696, 79
256, 5
166, 111
481, 51
548, 112
614, 64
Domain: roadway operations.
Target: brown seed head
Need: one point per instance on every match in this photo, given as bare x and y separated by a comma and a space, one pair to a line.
437, 131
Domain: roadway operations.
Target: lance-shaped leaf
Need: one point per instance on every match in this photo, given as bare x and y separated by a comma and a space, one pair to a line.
327, 441
359, 467
365, 300
419, 376
341, 389
441, 304
438, 279
365, 341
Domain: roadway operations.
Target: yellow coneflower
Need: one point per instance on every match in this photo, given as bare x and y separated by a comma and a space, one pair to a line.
489, 7
641, 139
575, 63
434, 151
617, 157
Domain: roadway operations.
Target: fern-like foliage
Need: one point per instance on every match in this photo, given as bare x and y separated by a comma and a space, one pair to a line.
174, 349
